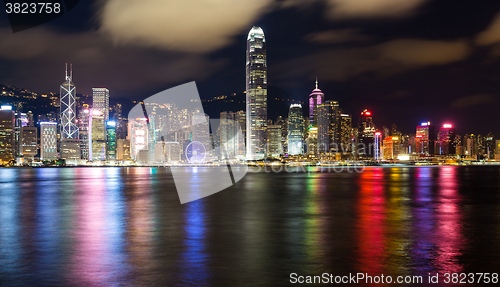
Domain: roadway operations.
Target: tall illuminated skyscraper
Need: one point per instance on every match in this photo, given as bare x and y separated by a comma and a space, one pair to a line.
97, 136
256, 94
446, 140
295, 130
425, 138
366, 135
7, 138
345, 133
110, 140
327, 118
84, 128
100, 101
69, 130
316, 98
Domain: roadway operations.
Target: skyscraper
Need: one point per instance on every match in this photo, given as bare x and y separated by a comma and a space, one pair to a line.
48, 140
425, 138
97, 136
229, 135
316, 98
446, 140
345, 133
83, 126
100, 101
366, 135
110, 140
7, 139
295, 130
274, 146
123, 149
29, 142
256, 94
138, 134
327, 119
69, 130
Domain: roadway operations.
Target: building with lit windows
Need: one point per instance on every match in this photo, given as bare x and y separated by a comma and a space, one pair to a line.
100, 101
83, 126
295, 130
366, 136
70, 149
138, 135
490, 146
274, 146
97, 136
7, 136
391, 147
316, 98
123, 149
110, 140
425, 139
345, 133
256, 94
48, 140
200, 127
328, 115
69, 129
446, 140
29, 142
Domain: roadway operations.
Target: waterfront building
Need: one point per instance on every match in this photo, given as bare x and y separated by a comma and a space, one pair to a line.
110, 140
97, 136
138, 135
366, 136
328, 115
425, 138
83, 127
295, 130
446, 140
7, 134
256, 94
48, 140
123, 149
274, 146
29, 142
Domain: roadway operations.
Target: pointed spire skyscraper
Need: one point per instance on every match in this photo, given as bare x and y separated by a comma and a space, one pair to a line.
69, 130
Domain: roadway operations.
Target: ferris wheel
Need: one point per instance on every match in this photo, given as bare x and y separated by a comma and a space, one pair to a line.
196, 152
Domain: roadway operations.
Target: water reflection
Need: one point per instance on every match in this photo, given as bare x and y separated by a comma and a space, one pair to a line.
370, 226
449, 221
10, 245
194, 258
125, 226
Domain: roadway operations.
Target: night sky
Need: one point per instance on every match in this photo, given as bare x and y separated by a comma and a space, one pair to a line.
408, 61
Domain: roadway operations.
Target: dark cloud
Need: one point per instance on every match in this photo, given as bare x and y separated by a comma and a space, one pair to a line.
380, 60
337, 36
474, 100
33, 59
342, 9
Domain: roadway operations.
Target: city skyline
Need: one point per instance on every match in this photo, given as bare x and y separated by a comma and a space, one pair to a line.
395, 64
